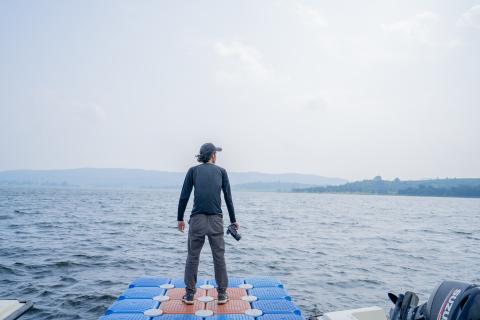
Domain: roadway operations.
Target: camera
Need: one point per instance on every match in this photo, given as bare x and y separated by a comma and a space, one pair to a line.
232, 229
450, 300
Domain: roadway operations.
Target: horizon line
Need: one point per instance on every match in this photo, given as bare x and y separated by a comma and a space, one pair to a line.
258, 172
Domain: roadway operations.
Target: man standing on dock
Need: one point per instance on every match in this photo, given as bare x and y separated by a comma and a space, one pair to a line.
206, 219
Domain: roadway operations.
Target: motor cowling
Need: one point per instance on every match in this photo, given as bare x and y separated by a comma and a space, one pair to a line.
454, 300
450, 300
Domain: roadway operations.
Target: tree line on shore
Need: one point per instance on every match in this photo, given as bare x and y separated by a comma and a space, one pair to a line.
468, 188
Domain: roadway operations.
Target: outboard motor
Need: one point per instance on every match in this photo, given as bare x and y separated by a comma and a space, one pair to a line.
451, 300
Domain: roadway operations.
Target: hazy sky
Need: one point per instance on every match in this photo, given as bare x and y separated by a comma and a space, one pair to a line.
350, 89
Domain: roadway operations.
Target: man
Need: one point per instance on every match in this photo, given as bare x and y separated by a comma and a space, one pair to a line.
206, 219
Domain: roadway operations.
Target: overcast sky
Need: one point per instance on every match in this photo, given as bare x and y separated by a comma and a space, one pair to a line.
349, 89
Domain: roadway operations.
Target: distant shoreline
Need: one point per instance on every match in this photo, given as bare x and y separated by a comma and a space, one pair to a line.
446, 188
177, 189
386, 194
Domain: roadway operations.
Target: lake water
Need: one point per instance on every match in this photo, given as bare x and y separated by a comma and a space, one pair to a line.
73, 251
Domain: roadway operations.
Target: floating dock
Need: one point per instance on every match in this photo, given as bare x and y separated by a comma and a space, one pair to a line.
155, 298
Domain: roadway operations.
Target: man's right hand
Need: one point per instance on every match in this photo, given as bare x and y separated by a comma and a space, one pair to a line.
181, 226
237, 225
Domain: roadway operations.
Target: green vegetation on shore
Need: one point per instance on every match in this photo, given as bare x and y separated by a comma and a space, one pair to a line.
468, 188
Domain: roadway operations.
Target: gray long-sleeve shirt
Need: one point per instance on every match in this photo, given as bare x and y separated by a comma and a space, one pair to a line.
208, 180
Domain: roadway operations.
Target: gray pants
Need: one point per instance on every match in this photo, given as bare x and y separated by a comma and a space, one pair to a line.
210, 225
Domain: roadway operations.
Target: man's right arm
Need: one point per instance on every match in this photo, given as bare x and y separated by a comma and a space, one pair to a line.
185, 194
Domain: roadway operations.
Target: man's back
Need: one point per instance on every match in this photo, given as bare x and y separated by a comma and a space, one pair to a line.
208, 180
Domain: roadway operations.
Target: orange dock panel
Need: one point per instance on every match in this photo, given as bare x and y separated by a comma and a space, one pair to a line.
231, 307
178, 307
178, 293
233, 293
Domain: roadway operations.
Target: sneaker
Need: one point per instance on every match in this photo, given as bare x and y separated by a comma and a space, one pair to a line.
188, 298
222, 298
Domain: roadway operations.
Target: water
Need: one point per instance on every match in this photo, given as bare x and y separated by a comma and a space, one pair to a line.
74, 251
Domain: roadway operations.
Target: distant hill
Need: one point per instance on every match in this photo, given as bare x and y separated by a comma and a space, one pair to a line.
271, 186
136, 178
436, 187
308, 179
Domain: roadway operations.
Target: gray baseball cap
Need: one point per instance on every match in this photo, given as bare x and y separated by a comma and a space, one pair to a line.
209, 148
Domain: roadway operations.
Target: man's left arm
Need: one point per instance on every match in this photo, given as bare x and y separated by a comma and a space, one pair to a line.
227, 194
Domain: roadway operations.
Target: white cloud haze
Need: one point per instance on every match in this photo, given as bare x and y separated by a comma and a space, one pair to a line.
347, 89
471, 17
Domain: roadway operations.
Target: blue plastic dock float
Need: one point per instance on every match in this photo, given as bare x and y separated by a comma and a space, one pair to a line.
269, 293
230, 317
132, 306
142, 293
262, 282
285, 316
147, 299
125, 316
276, 306
179, 317
149, 282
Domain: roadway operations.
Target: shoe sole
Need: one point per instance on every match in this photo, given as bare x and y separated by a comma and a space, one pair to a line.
188, 302
222, 301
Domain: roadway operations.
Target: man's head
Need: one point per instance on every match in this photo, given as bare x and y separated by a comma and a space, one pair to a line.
208, 152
